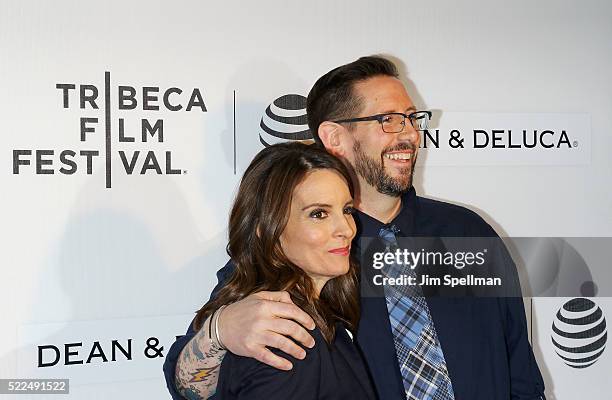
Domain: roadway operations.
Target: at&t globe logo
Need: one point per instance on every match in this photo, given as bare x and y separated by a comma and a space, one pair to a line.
285, 120
579, 333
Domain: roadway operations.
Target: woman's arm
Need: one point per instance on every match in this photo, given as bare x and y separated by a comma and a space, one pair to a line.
197, 368
246, 328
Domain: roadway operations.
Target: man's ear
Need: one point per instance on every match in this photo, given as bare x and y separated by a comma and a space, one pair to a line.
330, 134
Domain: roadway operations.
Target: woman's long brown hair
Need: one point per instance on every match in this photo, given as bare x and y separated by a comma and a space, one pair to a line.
257, 220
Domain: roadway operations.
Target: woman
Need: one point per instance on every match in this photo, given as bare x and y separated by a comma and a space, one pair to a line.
291, 229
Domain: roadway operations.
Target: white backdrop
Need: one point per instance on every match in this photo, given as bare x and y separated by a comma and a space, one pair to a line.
83, 263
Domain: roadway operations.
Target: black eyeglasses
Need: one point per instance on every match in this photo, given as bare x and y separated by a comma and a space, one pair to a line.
396, 122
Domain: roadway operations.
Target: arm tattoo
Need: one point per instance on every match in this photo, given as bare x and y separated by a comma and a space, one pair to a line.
197, 368
202, 373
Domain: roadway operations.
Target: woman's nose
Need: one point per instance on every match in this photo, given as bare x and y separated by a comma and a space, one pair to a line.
346, 226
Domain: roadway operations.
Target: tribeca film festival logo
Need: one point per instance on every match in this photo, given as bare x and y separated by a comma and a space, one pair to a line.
123, 98
579, 333
285, 120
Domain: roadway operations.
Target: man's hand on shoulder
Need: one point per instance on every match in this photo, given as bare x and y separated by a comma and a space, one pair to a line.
266, 319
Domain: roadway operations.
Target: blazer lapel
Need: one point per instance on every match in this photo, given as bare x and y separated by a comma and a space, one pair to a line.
375, 341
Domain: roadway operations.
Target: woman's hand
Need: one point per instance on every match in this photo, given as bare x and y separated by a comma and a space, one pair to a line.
266, 319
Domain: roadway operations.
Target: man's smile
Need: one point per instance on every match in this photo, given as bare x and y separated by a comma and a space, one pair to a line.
403, 156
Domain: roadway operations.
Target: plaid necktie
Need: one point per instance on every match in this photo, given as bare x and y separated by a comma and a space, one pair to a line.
418, 350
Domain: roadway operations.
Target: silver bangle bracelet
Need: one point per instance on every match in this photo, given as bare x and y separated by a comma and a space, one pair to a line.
217, 337
213, 342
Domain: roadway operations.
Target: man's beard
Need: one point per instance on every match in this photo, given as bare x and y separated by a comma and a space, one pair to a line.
373, 171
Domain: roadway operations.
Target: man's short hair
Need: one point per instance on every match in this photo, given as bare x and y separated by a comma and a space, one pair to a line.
332, 97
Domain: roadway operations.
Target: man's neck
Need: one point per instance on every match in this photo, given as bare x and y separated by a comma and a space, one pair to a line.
377, 205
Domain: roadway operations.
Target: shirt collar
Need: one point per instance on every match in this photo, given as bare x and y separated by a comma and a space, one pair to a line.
405, 220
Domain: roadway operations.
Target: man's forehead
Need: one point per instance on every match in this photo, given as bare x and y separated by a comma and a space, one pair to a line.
384, 93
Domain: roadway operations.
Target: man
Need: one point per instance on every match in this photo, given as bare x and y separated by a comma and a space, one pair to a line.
416, 348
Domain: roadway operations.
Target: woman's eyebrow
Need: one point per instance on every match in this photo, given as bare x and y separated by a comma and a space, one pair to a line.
317, 205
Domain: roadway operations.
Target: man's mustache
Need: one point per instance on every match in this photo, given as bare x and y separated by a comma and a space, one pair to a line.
400, 147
